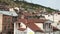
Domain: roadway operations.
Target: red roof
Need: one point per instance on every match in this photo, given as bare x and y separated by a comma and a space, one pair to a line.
33, 26
22, 29
30, 23
55, 29
37, 20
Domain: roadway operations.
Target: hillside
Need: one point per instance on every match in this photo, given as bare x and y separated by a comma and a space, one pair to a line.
26, 5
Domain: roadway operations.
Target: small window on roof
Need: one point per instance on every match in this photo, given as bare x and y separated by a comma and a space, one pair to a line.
47, 26
18, 24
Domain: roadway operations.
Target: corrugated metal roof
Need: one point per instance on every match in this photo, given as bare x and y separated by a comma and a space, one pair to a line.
10, 13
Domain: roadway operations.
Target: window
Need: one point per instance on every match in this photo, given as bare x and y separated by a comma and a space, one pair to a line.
44, 25
12, 33
14, 19
5, 19
8, 26
9, 20
9, 32
47, 26
18, 24
4, 27
12, 24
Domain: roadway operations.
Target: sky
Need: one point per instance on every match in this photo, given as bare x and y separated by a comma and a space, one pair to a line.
55, 4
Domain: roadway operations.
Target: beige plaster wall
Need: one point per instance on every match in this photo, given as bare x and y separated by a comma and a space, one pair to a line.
1, 16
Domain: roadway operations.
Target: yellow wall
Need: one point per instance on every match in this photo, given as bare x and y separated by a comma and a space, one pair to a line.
1, 16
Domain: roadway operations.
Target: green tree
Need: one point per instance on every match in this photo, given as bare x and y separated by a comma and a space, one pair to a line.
49, 10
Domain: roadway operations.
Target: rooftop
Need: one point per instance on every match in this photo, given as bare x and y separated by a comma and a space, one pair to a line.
10, 13
34, 27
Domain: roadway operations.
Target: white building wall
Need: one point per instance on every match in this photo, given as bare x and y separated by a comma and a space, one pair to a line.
11, 9
57, 32
16, 31
56, 19
16, 8
29, 31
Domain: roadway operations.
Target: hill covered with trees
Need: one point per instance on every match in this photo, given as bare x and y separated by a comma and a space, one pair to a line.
25, 5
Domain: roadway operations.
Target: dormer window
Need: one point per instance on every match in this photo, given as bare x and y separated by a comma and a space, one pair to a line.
21, 25
18, 24
47, 26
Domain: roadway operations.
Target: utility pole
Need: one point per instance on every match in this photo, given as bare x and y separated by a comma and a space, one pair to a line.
53, 21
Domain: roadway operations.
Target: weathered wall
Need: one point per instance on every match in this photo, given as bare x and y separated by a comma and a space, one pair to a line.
1, 16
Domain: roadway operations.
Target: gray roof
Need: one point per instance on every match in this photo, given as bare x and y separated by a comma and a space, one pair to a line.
49, 21
10, 13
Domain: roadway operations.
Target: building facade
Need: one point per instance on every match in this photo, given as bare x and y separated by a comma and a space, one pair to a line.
27, 23
7, 19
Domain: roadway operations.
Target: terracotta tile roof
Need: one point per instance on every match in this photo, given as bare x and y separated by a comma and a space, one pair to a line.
55, 29
34, 27
31, 25
37, 20
22, 29
34, 20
